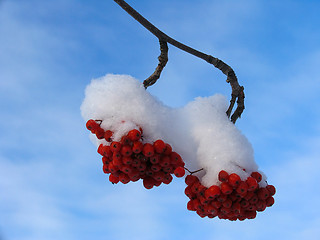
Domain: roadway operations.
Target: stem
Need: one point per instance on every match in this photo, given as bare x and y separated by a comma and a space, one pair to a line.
193, 171
163, 59
237, 94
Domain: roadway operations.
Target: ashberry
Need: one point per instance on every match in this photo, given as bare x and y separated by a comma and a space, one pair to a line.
271, 189
137, 147
223, 176
212, 192
115, 146
126, 150
191, 179
257, 176
159, 146
234, 180
179, 172
148, 150
226, 188
134, 135
108, 135
252, 183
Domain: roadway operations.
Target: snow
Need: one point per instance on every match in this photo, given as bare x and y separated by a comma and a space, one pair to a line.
200, 131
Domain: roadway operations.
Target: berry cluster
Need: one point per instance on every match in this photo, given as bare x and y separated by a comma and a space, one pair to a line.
233, 199
130, 159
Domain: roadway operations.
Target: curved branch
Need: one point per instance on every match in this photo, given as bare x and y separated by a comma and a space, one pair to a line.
163, 59
237, 94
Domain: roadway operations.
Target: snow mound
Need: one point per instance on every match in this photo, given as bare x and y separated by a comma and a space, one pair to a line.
200, 131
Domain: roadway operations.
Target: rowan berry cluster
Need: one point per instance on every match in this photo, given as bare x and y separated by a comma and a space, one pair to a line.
234, 199
130, 159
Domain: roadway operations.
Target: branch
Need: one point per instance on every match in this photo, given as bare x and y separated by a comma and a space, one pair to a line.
163, 59
237, 94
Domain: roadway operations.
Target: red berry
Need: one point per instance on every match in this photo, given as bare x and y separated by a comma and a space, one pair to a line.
222, 197
244, 203
188, 192
234, 180
148, 150
249, 195
126, 169
134, 175
263, 193
164, 161
176, 159
196, 203
125, 140
234, 196
126, 150
99, 133
159, 176
167, 179
113, 169
217, 204
113, 178
124, 178
254, 199
195, 187
134, 135
155, 167
115, 146
105, 160
116, 157
236, 206
149, 173
242, 188
159, 146
212, 210
92, 125
105, 168
137, 147
261, 205
226, 188
203, 200
257, 176
142, 166
168, 169
191, 179
250, 214
227, 203
269, 201
223, 176
225, 210
252, 183
190, 206
127, 160
155, 159
271, 189
212, 192
157, 183
148, 182
135, 162
168, 149
179, 172
107, 135
252, 207
100, 149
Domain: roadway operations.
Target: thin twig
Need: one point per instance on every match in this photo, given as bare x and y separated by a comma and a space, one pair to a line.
237, 94
163, 59
192, 172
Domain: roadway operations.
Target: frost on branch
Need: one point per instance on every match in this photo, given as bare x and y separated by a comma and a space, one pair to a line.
200, 133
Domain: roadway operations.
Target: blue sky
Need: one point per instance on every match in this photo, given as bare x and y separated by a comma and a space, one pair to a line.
51, 182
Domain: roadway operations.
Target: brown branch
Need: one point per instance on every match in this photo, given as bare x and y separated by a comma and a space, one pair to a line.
237, 94
163, 59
